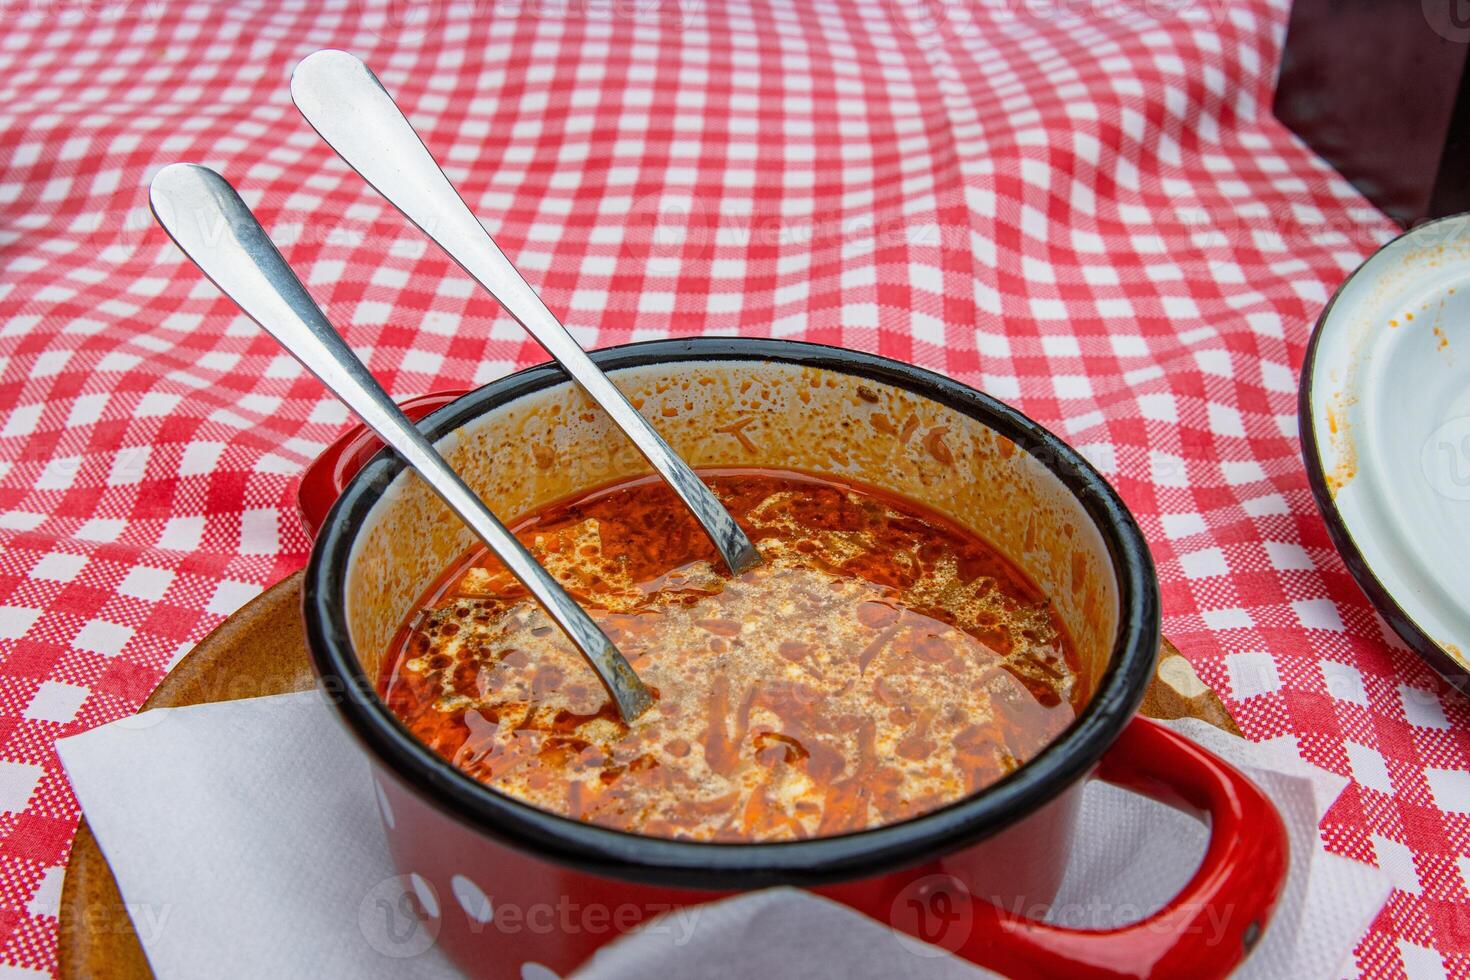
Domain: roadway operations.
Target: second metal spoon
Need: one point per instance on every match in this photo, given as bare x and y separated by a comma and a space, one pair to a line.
211, 225
344, 101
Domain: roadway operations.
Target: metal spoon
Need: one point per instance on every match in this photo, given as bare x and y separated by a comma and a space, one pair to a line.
347, 105
207, 220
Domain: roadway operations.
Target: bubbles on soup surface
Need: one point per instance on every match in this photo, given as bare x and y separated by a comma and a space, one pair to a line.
879, 663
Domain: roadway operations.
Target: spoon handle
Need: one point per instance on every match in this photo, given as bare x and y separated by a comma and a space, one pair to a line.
344, 101
211, 225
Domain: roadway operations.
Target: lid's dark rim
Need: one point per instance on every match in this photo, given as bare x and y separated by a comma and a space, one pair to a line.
1457, 673
735, 866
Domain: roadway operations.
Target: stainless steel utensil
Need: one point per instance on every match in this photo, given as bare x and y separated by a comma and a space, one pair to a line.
207, 220
344, 101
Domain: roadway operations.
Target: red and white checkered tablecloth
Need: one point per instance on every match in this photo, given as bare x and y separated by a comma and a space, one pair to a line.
1081, 206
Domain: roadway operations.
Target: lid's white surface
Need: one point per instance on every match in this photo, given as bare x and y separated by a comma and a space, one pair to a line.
1389, 401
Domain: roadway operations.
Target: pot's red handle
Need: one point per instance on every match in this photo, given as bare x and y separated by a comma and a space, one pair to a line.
1204, 932
327, 476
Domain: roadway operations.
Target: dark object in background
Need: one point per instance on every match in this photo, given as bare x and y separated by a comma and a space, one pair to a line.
1379, 89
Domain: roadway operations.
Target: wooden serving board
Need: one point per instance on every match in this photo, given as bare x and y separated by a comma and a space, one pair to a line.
261, 650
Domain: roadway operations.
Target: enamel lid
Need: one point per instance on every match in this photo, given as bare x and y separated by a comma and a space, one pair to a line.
1385, 419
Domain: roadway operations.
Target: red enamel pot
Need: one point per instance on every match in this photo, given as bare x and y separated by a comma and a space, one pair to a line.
503, 886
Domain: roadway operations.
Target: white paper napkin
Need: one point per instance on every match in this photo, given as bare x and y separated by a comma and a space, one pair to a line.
245, 840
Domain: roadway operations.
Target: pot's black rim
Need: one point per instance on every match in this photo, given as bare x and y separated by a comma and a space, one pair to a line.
1357, 564
736, 866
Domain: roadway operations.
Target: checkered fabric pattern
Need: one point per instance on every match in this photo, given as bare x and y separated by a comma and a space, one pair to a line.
1084, 209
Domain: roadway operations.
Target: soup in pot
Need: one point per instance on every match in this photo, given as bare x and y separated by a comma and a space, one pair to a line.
881, 662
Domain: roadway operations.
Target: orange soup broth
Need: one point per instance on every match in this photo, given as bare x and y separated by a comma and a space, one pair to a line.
881, 662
